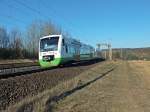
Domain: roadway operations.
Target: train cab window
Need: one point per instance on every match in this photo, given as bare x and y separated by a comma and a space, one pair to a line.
49, 44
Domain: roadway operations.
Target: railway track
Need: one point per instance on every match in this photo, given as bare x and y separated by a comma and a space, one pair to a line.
12, 70
17, 65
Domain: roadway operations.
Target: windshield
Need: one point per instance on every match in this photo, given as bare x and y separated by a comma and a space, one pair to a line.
49, 44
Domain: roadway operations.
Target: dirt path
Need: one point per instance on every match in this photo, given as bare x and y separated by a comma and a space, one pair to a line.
126, 89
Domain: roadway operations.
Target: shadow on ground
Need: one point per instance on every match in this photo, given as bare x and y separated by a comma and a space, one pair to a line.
51, 100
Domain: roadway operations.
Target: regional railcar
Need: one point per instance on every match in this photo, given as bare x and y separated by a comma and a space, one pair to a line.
58, 49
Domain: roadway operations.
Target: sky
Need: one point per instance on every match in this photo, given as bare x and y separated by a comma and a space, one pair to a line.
123, 23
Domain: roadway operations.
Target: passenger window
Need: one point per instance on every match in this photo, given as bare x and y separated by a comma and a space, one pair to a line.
66, 49
63, 42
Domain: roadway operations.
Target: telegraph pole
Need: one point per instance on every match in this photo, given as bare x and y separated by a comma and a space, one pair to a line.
110, 51
121, 55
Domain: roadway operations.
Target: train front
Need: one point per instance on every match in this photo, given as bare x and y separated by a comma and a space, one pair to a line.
49, 51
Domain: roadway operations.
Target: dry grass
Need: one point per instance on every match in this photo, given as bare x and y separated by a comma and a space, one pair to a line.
126, 89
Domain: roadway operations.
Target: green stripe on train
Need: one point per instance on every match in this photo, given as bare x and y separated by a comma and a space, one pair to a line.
55, 62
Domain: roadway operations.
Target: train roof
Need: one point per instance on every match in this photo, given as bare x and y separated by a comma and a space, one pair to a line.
50, 36
68, 38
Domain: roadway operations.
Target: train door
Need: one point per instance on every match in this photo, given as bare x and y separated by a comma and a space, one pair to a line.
65, 48
77, 52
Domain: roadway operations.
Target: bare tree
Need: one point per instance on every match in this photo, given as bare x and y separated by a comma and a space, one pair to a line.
33, 35
47, 28
35, 31
16, 44
4, 39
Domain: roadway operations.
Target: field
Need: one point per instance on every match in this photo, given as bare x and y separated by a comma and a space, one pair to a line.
126, 89
111, 86
132, 53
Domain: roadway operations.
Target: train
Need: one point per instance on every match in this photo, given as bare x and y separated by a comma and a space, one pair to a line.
55, 50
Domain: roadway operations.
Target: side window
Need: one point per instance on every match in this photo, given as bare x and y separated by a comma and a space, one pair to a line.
66, 49
63, 42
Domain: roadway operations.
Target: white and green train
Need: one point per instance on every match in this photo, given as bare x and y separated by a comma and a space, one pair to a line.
55, 50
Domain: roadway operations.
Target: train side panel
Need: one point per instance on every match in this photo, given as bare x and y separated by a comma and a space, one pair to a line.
70, 50
86, 52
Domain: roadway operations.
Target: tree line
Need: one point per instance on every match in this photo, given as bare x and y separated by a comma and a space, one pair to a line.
16, 44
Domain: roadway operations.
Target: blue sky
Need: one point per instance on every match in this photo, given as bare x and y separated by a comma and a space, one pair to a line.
124, 23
